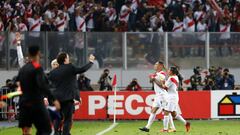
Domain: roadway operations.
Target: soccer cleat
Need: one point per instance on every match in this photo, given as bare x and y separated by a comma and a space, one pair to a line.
172, 130
144, 129
188, 125
164, 131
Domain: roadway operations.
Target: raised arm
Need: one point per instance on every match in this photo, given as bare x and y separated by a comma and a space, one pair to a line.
19, 50
86, 67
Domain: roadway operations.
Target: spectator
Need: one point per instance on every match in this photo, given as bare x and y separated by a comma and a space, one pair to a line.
84, 83
134, 86
227, 81
105, 81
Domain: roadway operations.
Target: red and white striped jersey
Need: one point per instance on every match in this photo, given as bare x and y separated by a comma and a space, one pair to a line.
81, 24
225, 28
189, 24
178, 26
111, 14
60, 24
34, 25
124, 14
199, 15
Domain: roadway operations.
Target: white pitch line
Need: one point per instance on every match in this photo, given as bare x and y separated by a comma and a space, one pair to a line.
108, 129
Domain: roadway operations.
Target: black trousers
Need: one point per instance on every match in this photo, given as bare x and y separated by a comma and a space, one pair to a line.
67, 113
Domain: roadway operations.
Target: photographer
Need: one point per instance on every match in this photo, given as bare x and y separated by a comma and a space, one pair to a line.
227, 81
210, 80
105, 81
84, 83
196, 79
134, 86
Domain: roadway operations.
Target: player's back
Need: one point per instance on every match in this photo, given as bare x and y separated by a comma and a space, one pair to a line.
172, 84
28, 80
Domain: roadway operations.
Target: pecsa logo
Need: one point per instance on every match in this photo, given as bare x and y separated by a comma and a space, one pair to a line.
229, 105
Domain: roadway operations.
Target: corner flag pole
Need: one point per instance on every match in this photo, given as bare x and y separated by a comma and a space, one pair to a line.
114, 84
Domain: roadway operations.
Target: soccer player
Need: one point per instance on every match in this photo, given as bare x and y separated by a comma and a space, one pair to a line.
34, 87
160, 95
171, 85
64, 79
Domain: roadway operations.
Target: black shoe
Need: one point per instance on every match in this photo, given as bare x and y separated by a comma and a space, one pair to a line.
144, 129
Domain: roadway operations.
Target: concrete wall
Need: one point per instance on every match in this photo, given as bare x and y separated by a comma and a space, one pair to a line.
123, 77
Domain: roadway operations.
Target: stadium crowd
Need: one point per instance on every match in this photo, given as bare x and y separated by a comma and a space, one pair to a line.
119, 15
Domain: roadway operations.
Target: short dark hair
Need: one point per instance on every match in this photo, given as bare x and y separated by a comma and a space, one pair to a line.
174, 70
226, 70
160, 62
61, 58
33, 50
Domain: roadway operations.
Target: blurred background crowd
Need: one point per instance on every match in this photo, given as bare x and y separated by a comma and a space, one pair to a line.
119, 15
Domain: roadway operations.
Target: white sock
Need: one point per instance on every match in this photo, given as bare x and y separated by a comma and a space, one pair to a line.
180, 118
172, 126
165, 122
150, 120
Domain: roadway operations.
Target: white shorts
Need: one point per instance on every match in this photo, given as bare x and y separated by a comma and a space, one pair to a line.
159, 101
172, 105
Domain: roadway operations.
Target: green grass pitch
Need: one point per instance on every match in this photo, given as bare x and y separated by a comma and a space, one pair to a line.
198, 127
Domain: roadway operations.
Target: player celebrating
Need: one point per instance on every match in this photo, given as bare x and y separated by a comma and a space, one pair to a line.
160, 96
171, 86
34, 86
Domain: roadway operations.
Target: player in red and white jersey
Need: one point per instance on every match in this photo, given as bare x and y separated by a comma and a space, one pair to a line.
111, 12
125, 12
60, 22
171, 85
20, 25
160, 94
189, 23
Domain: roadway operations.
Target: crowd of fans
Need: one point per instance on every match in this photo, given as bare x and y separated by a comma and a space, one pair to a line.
119, 15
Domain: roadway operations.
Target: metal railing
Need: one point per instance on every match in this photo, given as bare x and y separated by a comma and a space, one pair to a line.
128, 50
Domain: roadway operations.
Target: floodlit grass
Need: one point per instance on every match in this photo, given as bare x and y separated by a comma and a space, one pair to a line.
199, 127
